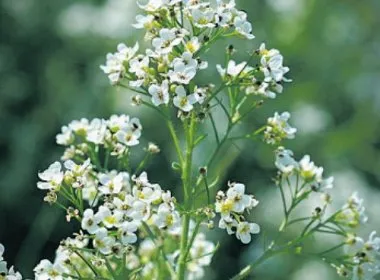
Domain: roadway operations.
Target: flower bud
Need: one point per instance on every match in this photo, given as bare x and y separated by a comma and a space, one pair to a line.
153, 148
136, 100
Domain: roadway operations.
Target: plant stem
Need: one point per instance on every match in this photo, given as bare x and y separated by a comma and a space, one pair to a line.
186, 181
175, 141
245, 272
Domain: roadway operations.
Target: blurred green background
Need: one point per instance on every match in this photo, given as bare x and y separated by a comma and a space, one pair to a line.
50, 52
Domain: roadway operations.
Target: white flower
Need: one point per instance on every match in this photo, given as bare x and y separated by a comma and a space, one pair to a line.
97, 131
264, 89
229, 224
321, 185
113, 182
272, 65
141, 180
114, 66
52, 177
233, 70
278, 128
90, 221
128, 136
224, 15
66, 137
144, 22
182, 100
372, 245
125, 53
186, 59
199, 95
166, 218
160, 93
139, 65
115, 123
141, 211
125, 205
243, 26
203, 18
244, 231
102, 242
193, 45
77, 170
109, 218
152, 5
181, 73
166, 41
149, 193
45, 270
224, 207
285, 161
127, 233
308, 170
240, 200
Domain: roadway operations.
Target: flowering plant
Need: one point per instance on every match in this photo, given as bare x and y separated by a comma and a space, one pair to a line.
132, 228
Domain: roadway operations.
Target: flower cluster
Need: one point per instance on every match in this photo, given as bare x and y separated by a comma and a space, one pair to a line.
115, 134
304, 169
67, 178
352, 213
201, 257
164, 73
363, 257
278, 128
5, 273
265, 80
232, 205
200, 13
129, 204
131, 228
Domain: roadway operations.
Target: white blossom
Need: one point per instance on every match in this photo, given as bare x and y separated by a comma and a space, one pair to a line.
66, 137
160, 93
90, 221
103, 242
52, 177
193, 45
272, 65
115, 64
278, 128
243, 26
113, 182
144, 22
182, 100
127, 232
181, 73
46, 270
233, 70
168, 38
244, 231
166, 218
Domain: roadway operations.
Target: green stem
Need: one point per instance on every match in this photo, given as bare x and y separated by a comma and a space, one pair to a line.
109, 268
175, 141
186, 180
90, 266
245, 272
194, 234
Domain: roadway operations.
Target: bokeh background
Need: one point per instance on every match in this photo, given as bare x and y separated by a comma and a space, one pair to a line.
50, 52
